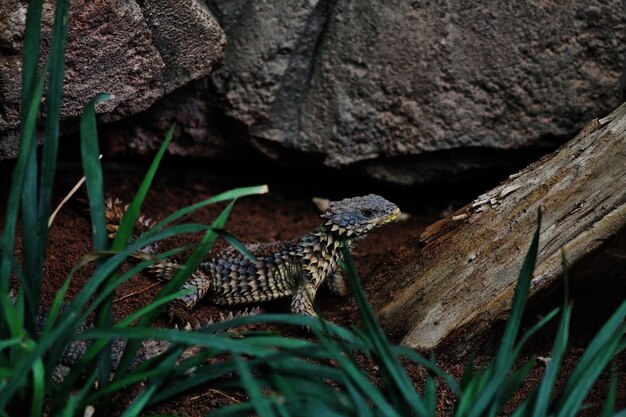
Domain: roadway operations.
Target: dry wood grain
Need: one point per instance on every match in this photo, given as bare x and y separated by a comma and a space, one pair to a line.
458, 276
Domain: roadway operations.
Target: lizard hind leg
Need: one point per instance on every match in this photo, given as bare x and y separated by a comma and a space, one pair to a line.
337, 284
198, 286
164, 270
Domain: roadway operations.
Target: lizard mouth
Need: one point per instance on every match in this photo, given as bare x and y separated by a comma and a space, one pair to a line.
393, 216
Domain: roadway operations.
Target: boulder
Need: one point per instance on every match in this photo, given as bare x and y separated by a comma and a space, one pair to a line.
375, 84
401, 91
136, 51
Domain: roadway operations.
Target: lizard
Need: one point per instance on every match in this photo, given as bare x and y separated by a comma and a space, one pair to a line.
295, 268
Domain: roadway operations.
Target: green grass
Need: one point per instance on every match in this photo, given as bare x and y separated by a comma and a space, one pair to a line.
279, 376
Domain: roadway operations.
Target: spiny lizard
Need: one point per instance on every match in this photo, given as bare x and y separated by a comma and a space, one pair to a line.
295, 268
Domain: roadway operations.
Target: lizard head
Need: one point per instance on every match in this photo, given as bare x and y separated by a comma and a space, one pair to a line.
358, 215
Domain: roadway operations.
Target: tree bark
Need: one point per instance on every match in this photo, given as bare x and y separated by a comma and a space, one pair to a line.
454, 280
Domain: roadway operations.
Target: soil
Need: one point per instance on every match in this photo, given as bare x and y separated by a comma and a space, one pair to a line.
597, 283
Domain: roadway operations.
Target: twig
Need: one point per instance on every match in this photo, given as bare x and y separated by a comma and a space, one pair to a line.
214, 391
67, 198
136, 292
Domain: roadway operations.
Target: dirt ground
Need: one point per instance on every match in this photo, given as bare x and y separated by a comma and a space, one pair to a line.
288, 212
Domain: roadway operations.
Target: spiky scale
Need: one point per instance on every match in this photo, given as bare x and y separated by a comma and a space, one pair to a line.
292, 268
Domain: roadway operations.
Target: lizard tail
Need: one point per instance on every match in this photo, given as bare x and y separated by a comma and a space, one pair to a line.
114, 211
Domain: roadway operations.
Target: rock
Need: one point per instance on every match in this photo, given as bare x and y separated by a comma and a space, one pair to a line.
196, 133
386, 81
400, 91
138, 52
260, 87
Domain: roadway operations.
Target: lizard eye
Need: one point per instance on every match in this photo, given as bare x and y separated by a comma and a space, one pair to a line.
367, 212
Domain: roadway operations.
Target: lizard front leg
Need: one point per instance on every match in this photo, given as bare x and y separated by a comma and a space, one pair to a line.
302, 301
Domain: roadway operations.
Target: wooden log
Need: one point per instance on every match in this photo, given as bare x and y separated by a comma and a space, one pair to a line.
454, 280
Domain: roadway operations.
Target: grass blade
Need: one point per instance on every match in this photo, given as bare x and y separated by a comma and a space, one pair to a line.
257, 399
544, 392
604, 338
17, 183
127, 225
391, 369
56, 63
188, 268
506, 353
235, 243
93, 171
222, 197
609, 403
30, 244
94, 183
38, 389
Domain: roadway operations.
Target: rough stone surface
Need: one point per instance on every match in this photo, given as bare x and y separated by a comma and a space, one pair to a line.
260, 86
136, 52
196, 133
379, 86
355, 81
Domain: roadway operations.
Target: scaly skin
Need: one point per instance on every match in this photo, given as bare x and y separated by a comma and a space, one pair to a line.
293, 269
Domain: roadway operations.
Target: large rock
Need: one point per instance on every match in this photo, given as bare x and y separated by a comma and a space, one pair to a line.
404, 91
372, 80
137, 51
260, 86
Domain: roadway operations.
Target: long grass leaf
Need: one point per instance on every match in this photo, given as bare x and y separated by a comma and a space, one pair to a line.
390, 367
528, 334
94, 183
545, 389
511, 385
356, 375
30, 243
361, 407
127, 225
430, 395
222, 197
24, 363
287, 363
139, 402
56, 306
188, 268
570, 401
38, 389
235, 243
32, 88
93, 171
431, 366
10, 317
611, 396
544, 392
72, 403
29, 125
30, 52
595, 348
56, 63
257, 399
505, 355
123, 235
